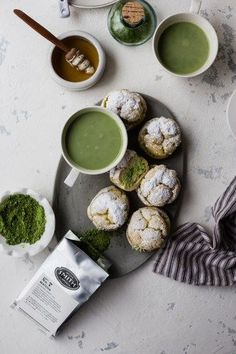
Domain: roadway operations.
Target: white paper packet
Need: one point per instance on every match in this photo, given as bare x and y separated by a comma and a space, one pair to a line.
66, 280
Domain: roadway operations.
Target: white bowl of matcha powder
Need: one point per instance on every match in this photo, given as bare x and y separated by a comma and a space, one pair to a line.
27, 223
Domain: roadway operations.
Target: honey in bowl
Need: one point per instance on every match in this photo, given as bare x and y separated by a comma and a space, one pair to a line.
65, 70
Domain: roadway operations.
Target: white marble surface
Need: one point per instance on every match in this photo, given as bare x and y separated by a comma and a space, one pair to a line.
140, 313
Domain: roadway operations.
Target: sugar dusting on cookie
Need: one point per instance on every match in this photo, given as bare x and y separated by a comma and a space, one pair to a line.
130, 106
159, 187
110, 204
150, 236
148, 228
160, 137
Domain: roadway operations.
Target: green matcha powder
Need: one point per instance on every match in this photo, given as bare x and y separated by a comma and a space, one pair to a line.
94, 242
22, 219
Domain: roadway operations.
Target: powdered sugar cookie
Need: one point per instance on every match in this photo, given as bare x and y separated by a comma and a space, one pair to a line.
160, 186
129, 172
109, 209
148, 229
129, 106
160, 137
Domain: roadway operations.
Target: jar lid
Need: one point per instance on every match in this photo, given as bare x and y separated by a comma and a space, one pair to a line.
133, 13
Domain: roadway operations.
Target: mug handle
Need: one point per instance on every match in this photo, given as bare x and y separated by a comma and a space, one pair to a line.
72, 177
195, 6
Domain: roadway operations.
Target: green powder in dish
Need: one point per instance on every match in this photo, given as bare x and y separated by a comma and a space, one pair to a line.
183, 48
22, 219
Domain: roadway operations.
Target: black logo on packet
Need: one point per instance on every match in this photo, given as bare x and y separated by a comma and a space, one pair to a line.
67, 278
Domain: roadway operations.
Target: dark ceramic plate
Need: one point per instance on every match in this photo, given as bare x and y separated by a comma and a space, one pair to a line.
70, 204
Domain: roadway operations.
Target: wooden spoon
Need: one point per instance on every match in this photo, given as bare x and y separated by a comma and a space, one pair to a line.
73, 55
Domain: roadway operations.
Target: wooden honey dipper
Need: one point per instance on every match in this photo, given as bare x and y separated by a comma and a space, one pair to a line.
73, 56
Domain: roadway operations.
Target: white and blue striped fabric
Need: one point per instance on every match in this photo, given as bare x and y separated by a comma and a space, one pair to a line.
193, 256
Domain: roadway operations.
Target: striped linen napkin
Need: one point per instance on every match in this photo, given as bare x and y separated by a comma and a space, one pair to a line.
193, 256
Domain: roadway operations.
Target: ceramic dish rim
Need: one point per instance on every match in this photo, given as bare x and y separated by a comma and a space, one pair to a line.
111, 2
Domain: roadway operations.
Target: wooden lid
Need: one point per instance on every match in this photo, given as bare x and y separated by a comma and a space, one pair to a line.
133, 13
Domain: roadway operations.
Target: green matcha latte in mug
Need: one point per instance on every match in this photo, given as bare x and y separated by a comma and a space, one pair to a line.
185, 44
94, 140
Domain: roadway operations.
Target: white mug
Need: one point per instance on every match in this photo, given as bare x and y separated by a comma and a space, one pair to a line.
75, 169
193, 17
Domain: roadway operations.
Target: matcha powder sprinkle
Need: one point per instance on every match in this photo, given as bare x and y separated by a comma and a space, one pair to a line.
22, 219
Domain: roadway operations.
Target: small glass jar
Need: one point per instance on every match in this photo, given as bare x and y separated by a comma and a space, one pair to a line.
132, 22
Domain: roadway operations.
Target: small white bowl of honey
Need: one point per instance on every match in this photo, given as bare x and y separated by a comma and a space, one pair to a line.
66, 75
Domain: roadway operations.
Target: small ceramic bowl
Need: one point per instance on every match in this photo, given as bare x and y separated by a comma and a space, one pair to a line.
83, 85
25, 249
201, 22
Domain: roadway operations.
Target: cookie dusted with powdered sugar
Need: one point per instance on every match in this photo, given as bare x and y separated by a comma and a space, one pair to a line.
160, 137
129, 106
129, 172
109, 209
148, 229
160, 186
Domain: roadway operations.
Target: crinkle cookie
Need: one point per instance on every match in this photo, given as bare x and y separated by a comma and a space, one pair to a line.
160, 137
148, 228
160, 186
129, 172
109, 209
129, 106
